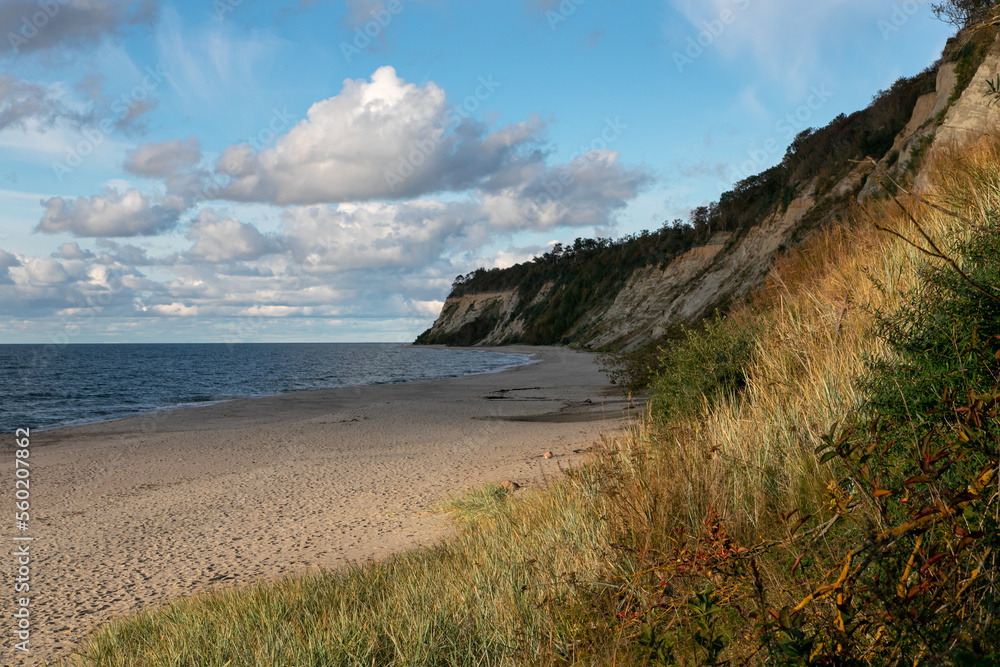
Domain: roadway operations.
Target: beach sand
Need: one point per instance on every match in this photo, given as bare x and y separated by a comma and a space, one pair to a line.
131, 514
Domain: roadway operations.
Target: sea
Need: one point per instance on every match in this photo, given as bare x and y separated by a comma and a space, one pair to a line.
45, 387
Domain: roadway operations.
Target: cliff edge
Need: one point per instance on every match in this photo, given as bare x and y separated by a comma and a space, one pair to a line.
626, 294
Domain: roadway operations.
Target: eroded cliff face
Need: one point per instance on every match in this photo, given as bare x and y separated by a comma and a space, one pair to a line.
656, 298
976, 111
912, 143
478, 319
701, 279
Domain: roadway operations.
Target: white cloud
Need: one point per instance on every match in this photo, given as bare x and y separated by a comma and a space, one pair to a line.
333, 239
45, 272
126, 255
176, 309
8, 259
111, 214
377, 139
327, 239
357, 236
219, 239
24, 104
427, 308
584, 193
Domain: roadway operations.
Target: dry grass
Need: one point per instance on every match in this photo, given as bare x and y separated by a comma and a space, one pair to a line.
542, 576
751, 457
500, 593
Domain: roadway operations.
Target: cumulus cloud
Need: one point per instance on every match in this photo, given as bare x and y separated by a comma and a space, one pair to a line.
68, 24
427, 308
160, 160
8, 259
73, 251
360, 232
273, 287
110, 214
84, 283
378, 139
45, 272
587, 192
125, 254
329, 239
219, 239
176, 309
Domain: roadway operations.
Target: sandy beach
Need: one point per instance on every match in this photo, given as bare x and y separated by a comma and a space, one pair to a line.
131, 514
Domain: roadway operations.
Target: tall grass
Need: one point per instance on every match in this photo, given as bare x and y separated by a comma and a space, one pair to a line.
577, 572
748, 461
501, 592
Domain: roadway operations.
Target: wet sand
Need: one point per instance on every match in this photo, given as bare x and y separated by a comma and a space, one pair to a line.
131, 514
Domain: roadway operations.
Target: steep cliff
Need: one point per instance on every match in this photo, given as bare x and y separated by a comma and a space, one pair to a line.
627, 294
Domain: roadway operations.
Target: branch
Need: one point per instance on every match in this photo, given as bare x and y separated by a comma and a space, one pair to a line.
920, 198
937, 253
877, 545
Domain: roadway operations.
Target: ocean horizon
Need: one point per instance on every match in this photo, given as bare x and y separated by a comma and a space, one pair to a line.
49, 386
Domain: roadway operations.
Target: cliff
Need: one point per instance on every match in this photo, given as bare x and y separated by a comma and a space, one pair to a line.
627, 294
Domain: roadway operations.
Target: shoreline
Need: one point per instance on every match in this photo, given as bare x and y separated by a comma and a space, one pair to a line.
185, 406
133, 513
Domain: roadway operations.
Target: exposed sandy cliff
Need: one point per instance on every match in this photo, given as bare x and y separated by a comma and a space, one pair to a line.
656, 297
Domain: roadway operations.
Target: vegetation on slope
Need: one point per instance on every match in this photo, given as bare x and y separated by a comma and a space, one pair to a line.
826, 495
842, 508
590, 273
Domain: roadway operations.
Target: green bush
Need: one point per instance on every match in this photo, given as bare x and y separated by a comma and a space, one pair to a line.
969, 59
703, 365
940, 337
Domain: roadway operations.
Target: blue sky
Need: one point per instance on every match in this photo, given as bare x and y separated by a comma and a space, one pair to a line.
310, 170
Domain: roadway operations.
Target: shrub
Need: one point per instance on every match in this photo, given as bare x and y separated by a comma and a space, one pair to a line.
899, 566
704, 365
918, 470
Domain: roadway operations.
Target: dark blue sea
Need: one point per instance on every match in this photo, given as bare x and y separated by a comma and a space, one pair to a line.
51, 386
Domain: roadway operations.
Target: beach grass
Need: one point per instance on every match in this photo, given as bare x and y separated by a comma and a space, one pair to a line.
504, 590
572, 573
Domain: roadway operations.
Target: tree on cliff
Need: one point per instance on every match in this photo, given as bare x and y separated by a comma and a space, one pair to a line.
963, 13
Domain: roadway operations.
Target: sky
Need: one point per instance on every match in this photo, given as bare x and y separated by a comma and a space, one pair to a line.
320, 171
